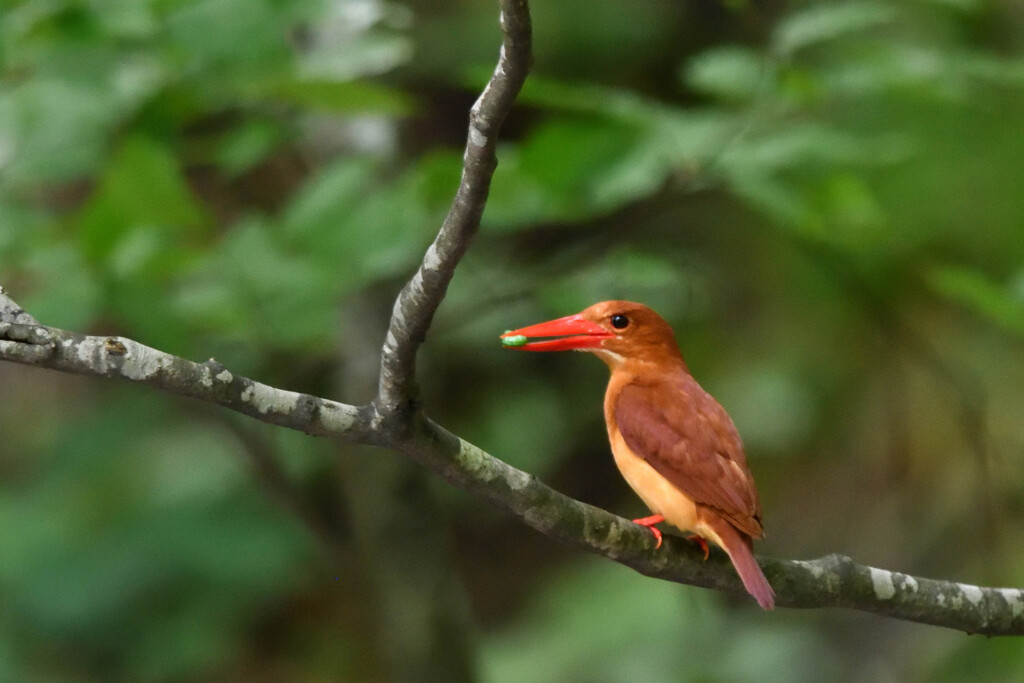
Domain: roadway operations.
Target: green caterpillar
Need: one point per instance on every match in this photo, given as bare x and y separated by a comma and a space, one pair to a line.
516, 340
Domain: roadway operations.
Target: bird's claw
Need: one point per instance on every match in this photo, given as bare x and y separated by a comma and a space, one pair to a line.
699, 540
649, 522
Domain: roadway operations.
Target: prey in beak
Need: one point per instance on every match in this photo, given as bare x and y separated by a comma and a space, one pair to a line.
571, 333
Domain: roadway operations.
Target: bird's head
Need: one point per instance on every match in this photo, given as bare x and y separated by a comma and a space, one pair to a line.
615, 331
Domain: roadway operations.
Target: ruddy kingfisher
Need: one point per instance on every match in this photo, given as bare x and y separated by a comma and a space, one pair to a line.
672, 441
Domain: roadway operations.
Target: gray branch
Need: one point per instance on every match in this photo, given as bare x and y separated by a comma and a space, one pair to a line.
50, 347
832, 581
394, 420
415, 306
10, 312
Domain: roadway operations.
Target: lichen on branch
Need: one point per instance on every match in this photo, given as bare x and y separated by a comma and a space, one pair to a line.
394, 419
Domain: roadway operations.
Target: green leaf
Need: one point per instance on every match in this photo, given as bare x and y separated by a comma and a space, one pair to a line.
326, 199
143, 186
801, 145
231, 37
20, 228
852, 208
343, 97
732, 73
436, 177
586, 98
358, 227
570, 169
671, 288
247, 145
127, 20
974, 290
52, 130
53, 302
568, 154
284, 298
782, 202
826, 21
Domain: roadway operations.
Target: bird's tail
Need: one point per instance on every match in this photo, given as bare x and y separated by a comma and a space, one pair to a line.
740, 549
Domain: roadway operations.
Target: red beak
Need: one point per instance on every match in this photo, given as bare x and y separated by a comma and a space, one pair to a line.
574, 332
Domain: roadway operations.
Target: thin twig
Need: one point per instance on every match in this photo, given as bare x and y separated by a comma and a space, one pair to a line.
418, 301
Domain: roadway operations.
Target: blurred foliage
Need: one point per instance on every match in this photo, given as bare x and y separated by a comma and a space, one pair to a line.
822, 197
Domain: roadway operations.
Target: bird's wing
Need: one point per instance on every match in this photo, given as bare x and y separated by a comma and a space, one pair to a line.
688, 438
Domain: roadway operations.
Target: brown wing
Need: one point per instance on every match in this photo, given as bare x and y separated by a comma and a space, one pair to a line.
684, 434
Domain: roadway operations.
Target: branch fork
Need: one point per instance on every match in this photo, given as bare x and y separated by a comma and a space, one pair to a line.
395, 420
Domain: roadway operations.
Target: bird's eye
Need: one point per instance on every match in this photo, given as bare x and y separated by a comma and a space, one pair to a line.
619, 321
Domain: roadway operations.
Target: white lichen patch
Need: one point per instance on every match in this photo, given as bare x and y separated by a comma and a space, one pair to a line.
270, 400
486, 468
206, 377
816, 570
882, 580
474, 460
337, 417
910, 582
972, 593
224, 376
142, 362
517, 479
1015, 599
417, 281
432, 260
397, 317
479, 104
87, 351
476, 138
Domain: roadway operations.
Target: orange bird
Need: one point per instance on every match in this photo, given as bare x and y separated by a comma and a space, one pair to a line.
673, 443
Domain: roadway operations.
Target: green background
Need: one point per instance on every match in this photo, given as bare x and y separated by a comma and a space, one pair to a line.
824, 198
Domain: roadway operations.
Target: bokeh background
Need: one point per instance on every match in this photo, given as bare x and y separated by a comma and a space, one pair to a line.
826, 199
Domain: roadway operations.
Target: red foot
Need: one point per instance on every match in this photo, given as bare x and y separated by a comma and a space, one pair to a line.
699, 540
649, 522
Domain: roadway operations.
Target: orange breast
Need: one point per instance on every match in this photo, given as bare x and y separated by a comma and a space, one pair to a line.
657, 493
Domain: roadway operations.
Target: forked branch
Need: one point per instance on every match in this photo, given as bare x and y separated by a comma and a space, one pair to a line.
394, 420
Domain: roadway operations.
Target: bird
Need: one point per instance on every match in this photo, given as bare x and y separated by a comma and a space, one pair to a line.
673, 443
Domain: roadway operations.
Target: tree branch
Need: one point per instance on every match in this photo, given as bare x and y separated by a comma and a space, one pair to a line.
50, 347
394, 421
415, 306
832, 581
11, 312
